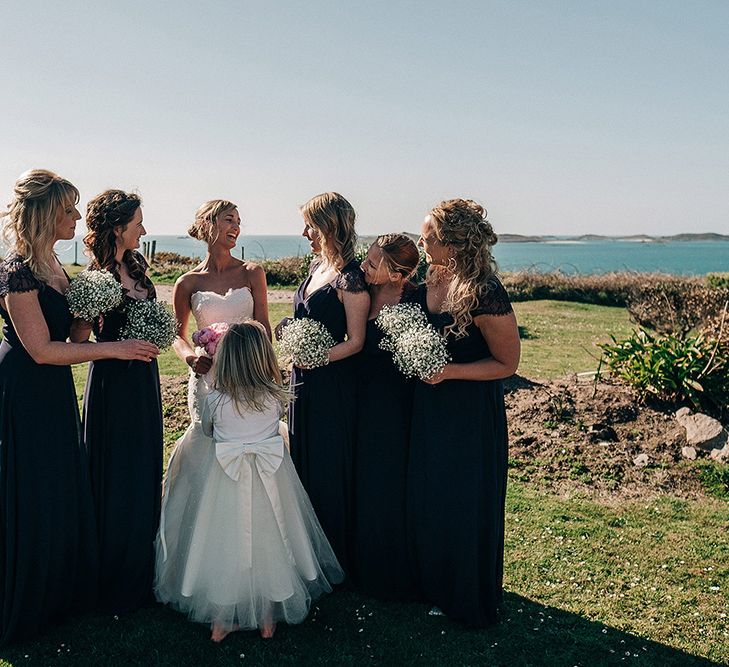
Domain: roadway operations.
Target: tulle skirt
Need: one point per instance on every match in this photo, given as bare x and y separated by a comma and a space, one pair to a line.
227, 553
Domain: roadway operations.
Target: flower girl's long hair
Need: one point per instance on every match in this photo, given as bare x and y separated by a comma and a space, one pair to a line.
246, 368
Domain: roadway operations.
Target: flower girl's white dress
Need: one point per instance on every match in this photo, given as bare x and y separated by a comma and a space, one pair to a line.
245, 548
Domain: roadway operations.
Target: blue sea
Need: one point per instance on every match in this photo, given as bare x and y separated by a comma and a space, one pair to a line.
676, 257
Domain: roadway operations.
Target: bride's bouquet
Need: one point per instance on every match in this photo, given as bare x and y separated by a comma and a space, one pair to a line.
93, 293
150, 320
418, 350
307, 342
207, 338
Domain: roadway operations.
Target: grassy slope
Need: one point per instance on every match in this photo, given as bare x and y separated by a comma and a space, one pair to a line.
645, 583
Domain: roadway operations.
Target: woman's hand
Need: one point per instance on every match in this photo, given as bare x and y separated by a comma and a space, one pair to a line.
199, 365
80, 330
443, 374
281, 326
134, 350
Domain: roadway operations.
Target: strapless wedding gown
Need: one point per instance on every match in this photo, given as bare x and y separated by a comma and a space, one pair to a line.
193, 448
239, 543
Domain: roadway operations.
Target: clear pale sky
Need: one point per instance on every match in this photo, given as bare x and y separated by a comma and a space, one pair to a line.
562, 117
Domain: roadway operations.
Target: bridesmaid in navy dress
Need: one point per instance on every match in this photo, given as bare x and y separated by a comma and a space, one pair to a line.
458, 455
48, 554
384, 411
322, 417
124, 445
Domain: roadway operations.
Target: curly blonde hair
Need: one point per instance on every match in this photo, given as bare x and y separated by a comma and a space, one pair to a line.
461, 226
333, 218
204, 228
29, 224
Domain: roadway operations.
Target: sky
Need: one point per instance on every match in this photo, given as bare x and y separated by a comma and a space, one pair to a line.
561, 117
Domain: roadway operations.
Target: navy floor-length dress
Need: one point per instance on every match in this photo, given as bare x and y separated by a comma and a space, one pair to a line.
322, 419
457, 479
48, 555
384, 411
123, 436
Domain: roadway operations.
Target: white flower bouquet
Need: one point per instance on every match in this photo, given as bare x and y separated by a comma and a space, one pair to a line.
418, 350
150, 320
307, 342
93, 293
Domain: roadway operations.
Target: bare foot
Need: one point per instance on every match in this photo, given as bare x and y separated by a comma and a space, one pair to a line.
220, 632
268, 630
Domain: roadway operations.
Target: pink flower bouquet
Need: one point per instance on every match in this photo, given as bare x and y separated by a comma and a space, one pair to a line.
209, 337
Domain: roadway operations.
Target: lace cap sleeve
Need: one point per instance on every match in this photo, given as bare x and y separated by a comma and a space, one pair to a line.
495, 301
351, 278
15, 276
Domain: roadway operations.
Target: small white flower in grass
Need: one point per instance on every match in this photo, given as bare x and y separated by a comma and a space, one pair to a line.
151, 321
93, 293
307, 342
418, 350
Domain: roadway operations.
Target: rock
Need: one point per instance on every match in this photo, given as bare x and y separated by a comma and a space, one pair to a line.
681, 413
602, 433
704, 431
721, 455
641, 461
689, 453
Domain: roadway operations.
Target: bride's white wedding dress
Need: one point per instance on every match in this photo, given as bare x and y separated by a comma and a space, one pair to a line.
239, 543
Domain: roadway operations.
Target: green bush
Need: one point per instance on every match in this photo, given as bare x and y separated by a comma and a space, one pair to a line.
167, 267
691, 370
286, 271
609, 289
718, 280
675, 305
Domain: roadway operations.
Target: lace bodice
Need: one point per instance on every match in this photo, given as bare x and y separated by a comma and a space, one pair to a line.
235, 306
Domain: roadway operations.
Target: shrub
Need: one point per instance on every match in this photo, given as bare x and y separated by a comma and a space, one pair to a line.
287, 271
609, 289
690, 370
718, 280
167, 267
676, 306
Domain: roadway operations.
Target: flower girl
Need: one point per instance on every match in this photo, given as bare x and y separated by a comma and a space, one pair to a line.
247, 549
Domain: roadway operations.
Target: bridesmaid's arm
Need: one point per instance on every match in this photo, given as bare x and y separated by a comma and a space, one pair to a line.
182, 346
356, 308
259, 290
502, 336
30, 325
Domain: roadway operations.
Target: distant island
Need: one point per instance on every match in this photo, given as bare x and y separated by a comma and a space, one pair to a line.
588, 238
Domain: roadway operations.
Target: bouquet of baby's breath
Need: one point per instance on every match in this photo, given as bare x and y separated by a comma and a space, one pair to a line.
149, 320
93, 293
418, 350
307, 342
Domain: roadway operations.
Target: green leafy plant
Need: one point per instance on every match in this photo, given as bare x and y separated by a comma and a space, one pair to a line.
691, 370
718, 280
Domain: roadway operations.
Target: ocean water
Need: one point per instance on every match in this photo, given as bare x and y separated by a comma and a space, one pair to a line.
675, 257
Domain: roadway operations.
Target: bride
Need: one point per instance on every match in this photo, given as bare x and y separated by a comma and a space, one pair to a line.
220, 289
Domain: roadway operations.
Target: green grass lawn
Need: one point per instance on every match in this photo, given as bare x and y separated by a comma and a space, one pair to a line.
641, 583
585, 584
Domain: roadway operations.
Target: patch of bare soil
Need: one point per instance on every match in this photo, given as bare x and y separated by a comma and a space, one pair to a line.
573, 434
